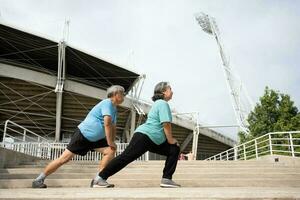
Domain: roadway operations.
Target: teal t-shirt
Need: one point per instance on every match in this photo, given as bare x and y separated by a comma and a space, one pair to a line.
160, 112
92, 127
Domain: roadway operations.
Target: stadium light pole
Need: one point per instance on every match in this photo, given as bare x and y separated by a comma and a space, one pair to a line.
241, 102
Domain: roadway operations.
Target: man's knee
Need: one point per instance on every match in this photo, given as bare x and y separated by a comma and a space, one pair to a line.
64, 160
65, 157
109, 151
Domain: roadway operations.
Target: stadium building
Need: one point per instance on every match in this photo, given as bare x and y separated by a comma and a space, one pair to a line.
47, 87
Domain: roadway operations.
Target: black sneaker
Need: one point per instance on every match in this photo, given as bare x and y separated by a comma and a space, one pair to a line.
168, 183
38, 184
101, 184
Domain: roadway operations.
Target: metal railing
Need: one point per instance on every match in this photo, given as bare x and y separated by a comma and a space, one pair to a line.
17, 132
20, 139
279, 143
51, 151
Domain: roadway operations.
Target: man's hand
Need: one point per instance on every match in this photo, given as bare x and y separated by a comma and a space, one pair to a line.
112, 145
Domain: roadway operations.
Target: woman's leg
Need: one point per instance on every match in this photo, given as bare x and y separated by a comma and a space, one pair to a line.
138, 145
172, 152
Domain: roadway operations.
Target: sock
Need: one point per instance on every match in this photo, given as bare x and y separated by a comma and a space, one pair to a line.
97, 178
41, 177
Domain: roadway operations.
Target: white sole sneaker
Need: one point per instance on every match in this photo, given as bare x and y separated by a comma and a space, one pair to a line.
168, 186
103, 186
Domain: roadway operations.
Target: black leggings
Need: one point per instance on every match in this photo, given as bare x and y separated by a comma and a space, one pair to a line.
139, 144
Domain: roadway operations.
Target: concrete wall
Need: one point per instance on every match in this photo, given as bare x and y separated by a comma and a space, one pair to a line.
12, 158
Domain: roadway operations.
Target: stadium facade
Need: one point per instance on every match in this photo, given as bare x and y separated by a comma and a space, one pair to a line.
49, 86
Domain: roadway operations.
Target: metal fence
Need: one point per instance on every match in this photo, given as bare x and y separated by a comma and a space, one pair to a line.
51, 151
20, 139
279, 143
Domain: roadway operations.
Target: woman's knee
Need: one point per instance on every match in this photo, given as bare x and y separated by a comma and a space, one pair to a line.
175, 149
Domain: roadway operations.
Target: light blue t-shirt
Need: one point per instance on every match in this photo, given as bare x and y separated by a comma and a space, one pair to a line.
92, 127
153, 127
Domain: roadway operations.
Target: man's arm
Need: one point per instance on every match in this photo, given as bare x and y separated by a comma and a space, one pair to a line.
168, 132
114, 131
109, 132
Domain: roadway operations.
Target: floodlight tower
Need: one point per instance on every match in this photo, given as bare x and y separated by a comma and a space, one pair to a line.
241, 102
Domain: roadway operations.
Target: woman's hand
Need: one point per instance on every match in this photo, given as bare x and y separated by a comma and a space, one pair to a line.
173, 141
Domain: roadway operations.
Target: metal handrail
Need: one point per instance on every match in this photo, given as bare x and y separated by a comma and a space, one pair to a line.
254, 147
23, 134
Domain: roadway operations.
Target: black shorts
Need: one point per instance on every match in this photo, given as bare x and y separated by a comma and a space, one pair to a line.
80, 145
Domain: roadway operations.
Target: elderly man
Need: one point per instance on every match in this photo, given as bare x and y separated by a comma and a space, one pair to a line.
96, 132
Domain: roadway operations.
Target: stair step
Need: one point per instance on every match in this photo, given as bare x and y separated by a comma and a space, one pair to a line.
143, 175
159, 165
158, 170
152, 193
123, 175
141, 183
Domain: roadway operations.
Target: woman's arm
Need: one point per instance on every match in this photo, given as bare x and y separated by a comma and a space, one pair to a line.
168, 132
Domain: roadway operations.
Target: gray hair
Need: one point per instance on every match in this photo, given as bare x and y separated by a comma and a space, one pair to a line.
159, 89
114, 89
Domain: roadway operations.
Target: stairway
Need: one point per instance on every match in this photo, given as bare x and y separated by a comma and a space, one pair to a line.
262, 179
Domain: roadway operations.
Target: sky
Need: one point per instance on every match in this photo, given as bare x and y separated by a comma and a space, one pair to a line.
161, 39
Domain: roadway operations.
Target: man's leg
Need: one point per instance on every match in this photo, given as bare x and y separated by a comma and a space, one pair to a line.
65, 157
52, 167
108, 154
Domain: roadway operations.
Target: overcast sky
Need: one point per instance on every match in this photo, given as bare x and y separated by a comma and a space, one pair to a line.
160, 38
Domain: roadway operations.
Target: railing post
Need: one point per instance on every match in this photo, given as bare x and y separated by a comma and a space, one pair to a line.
227, 157
39, 151
4, 132
256, 153
292, 145
235, 153
24, 135
49, 151
245, 156
270, 143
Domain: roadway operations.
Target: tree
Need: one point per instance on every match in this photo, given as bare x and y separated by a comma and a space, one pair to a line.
274, 112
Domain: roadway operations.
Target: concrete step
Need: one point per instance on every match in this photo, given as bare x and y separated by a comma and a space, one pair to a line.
141, 183
148, 175
177, 175
145, 165
152, 193
161, 162
157, 170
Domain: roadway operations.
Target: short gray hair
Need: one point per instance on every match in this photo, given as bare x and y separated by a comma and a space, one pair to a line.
159, 89
114, 89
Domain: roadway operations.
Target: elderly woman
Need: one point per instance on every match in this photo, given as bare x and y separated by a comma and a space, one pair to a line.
155, 136
96, 132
